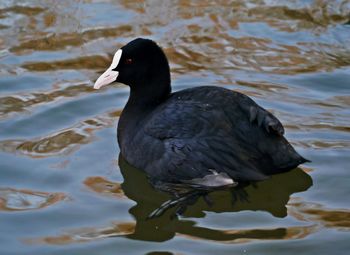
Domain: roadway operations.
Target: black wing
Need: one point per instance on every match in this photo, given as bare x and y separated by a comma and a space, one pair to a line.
221, 131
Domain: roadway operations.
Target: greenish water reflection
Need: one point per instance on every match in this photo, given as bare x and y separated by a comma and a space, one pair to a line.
271, 196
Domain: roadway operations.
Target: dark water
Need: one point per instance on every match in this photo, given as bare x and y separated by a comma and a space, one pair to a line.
62, 190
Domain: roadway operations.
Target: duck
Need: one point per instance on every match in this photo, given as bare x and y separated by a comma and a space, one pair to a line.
204, 137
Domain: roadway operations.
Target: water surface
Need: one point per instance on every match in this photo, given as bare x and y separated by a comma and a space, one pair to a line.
63, 187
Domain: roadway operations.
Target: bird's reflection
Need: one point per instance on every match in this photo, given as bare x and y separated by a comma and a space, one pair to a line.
271, 196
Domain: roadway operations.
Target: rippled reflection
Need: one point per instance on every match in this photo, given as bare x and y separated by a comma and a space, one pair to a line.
105, 187
271, 196
62, 143
333, 218
86, 234
21, 200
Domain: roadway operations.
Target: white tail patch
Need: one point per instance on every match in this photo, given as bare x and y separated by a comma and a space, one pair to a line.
214, 180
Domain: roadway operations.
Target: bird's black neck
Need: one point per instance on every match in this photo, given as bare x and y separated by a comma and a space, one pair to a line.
144, 97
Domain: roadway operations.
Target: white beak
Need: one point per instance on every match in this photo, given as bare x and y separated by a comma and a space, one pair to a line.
109, 75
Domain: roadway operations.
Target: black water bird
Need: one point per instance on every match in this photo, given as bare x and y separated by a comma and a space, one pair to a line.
204, 137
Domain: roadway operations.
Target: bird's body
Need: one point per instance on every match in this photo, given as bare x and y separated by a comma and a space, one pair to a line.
203, 136
205, 131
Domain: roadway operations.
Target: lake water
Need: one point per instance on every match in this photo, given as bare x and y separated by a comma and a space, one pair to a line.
63, 187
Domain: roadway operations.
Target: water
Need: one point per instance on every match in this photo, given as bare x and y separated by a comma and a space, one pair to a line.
63, 188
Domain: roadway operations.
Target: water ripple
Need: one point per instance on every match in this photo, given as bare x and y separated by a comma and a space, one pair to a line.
22, 200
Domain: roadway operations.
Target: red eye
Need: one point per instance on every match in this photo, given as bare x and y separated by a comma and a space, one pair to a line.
128, 61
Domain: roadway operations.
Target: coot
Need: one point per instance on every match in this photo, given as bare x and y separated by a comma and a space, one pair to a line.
203, 137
